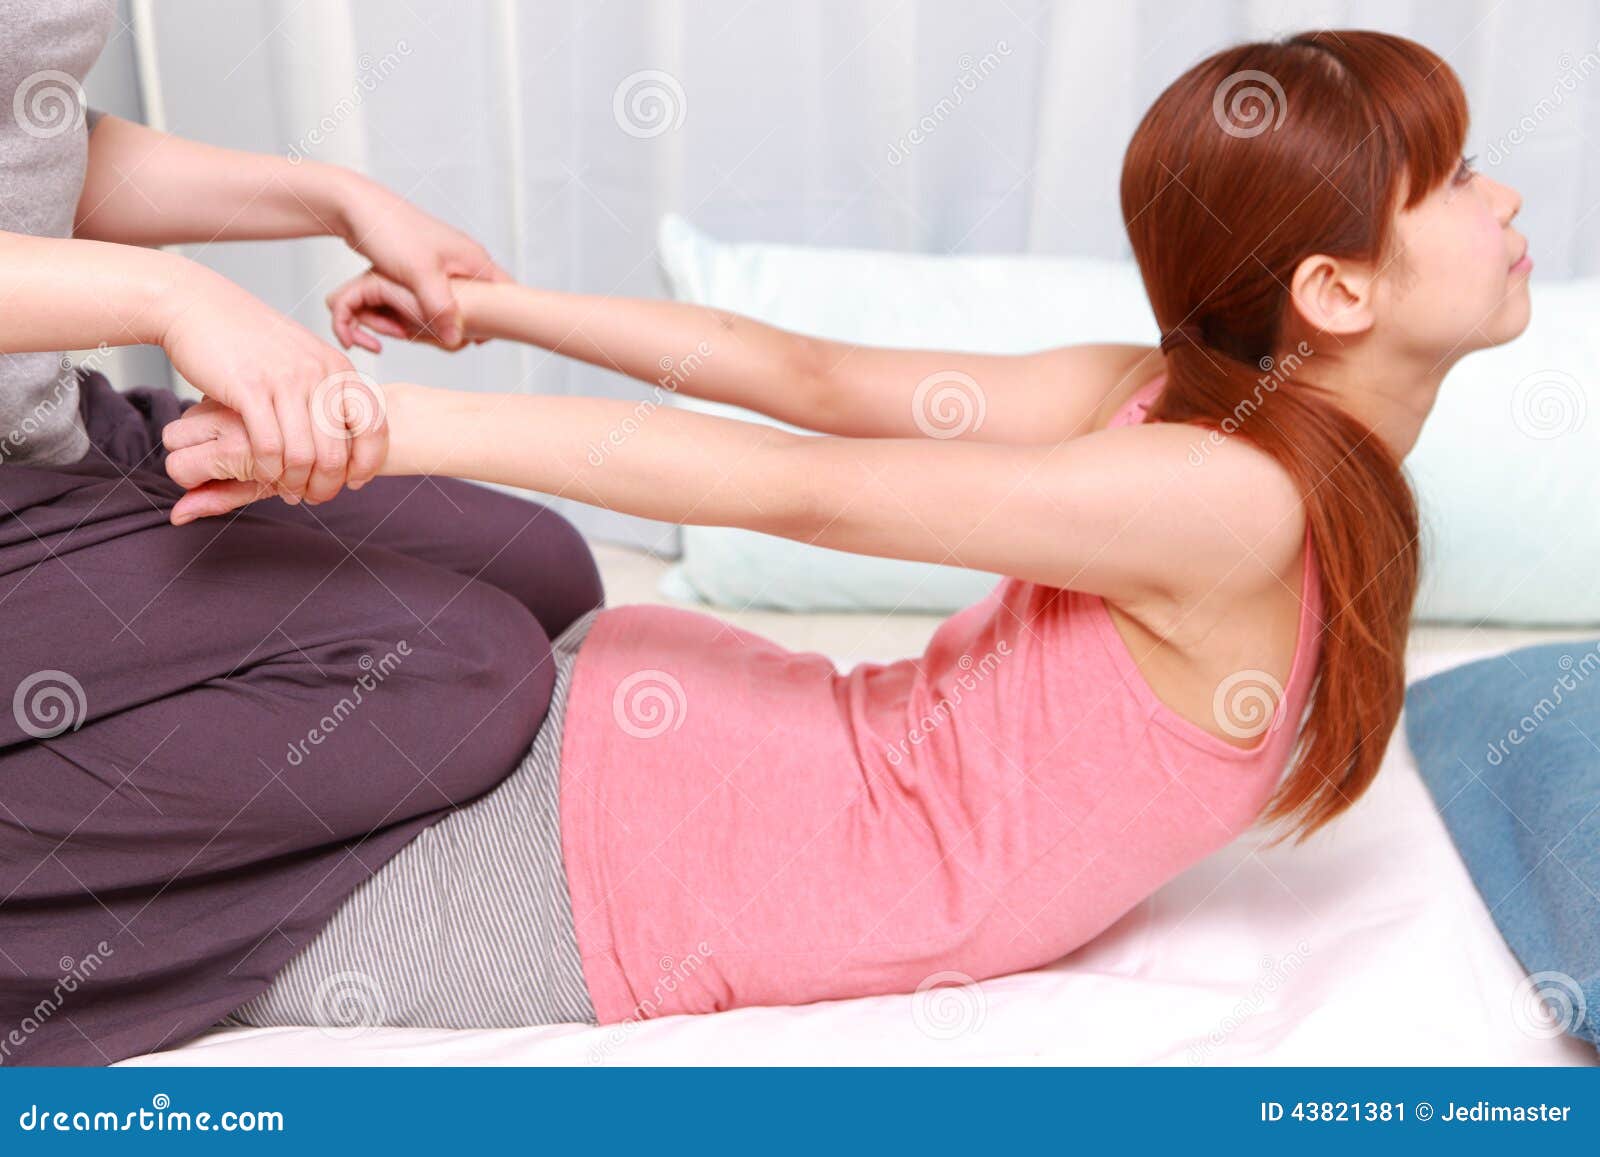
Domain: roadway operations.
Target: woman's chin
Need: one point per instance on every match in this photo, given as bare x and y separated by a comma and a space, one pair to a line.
1513, 316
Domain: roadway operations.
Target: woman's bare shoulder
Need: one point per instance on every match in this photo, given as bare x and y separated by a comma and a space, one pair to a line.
1126, 370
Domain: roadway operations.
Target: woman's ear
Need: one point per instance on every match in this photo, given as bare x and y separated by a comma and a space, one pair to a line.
1332, 295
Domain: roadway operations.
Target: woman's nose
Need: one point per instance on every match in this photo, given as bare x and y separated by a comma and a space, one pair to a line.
1513, 202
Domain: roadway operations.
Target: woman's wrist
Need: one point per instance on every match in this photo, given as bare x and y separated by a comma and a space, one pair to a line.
403, 406
336, 195
475, 301
162, 286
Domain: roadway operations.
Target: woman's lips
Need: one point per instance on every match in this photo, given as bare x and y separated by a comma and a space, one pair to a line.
1523, 264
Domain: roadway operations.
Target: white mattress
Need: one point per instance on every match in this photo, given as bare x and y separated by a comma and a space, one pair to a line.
1366, 945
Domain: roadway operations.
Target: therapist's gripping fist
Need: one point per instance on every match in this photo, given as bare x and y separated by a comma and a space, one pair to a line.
416, 256
312, 422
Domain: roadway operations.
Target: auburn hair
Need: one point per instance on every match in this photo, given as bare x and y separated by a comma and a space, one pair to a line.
1255, 158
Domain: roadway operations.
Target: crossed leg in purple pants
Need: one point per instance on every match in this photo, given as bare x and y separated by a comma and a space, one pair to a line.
216, 731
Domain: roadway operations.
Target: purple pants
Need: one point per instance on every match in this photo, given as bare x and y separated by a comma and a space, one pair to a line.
210, 734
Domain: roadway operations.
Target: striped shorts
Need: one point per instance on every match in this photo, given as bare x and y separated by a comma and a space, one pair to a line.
467, 926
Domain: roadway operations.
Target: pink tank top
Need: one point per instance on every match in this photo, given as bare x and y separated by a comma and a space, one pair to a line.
745, 825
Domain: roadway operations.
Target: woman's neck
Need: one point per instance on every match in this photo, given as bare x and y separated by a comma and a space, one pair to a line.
1392, 394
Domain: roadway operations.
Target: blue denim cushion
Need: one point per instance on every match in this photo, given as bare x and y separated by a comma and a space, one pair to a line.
1509, 747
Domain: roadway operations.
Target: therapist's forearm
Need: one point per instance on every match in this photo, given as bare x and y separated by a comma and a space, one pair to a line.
659, 463
60, 294
145, 187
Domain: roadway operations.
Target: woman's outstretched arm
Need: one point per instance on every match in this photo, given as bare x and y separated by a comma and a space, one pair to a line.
1122, 512
831, 387
682, 348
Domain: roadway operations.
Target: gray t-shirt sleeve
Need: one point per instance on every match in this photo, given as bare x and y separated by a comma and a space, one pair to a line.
46, 49
93, 118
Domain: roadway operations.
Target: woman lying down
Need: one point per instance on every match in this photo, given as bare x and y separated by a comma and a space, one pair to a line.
1208, 586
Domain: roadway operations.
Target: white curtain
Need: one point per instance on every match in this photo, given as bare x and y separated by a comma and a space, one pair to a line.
557, 131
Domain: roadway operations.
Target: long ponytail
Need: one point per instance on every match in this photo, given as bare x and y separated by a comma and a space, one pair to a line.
1255, 158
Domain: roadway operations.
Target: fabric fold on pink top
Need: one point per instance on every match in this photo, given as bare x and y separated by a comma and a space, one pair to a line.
746, 825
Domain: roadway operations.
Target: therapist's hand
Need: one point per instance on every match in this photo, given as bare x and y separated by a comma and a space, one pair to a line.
313, 424
417, 252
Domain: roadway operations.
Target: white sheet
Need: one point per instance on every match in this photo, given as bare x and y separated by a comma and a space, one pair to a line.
1366, 945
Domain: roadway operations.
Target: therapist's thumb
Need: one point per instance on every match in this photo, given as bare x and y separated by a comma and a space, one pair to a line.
439, 308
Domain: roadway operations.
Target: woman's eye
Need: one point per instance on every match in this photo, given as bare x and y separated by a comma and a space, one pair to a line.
1466, 171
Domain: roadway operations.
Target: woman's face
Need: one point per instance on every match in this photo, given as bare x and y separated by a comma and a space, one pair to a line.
1458, 285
